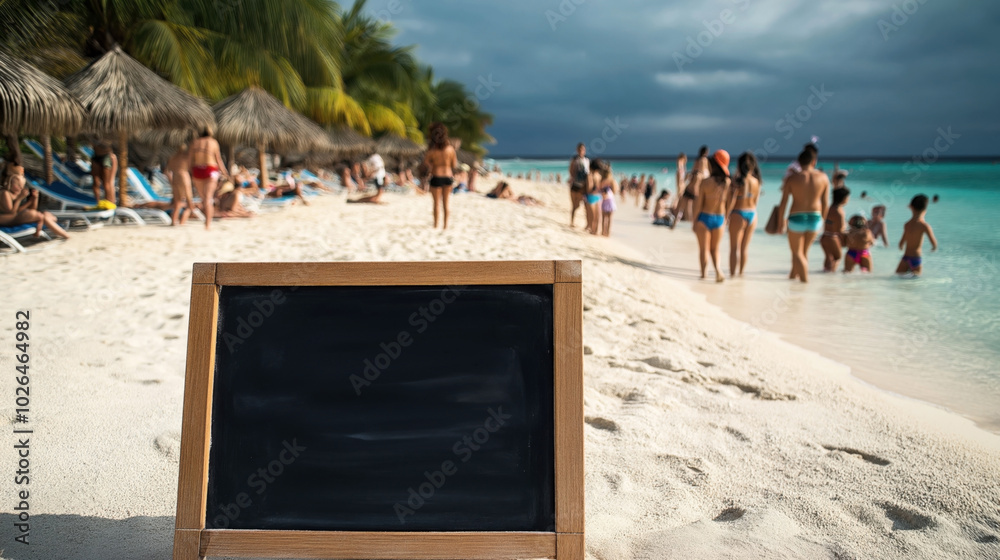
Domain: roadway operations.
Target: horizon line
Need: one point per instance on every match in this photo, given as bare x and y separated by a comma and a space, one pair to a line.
993, 158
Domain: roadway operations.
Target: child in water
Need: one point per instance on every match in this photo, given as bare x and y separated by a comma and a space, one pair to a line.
913, 238
877, 224
859, 242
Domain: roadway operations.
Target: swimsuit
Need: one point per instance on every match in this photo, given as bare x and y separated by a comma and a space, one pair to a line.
102, 160
748, 215
712, 221
804, 222
441, 182
688, 194
858, 255
913, 262
593, 198
204, 172
609, 201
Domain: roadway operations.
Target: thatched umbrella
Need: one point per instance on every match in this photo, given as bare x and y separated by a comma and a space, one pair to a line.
256, 118
31, 102
349, 143
124, 97
397, 146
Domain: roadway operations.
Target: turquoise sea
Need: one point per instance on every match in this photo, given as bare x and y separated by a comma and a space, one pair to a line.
936, 338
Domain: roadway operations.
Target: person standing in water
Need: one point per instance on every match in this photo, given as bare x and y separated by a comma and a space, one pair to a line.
579, 182
743, 217
913, 238
441, 160
807, 192
206, 168
711, 208
833, 238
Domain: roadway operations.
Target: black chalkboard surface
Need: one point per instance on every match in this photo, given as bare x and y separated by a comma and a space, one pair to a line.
401, 408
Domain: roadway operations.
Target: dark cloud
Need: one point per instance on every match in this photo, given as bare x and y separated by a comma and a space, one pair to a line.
897, 71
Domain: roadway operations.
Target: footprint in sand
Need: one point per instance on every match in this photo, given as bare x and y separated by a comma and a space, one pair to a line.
904, 519
602, 423
729, 514
737, 434
169, 445
987, 539
757, 392
874, 459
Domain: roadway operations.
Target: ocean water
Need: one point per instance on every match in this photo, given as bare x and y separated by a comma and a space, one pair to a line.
935, 338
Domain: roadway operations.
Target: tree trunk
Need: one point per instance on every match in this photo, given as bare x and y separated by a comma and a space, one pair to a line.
14, 149
47, 149
71, 148
123, 170
262, 155
231, 156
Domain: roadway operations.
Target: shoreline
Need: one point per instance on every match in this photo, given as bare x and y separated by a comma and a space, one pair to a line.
667, 247
699, 442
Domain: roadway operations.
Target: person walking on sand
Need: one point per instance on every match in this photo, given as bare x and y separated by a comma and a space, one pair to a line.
206, 168
103, 168
19, 205
608, 189
441, 160
179, 173
711, 208
579, 182
913, 238
807, 192
743, 216
699, 172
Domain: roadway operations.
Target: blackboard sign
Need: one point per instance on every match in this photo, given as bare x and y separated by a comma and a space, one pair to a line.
383, 410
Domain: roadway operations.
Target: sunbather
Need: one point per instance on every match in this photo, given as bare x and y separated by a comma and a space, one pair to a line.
19, 205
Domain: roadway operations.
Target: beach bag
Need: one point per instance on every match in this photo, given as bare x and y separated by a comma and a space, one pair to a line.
772, 222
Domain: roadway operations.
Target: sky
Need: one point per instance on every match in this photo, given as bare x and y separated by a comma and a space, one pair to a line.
647, 77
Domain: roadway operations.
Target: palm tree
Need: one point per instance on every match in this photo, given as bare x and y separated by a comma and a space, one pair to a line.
381, 78
338, 67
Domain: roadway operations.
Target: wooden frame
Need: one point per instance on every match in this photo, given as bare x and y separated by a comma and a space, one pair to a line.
193, 541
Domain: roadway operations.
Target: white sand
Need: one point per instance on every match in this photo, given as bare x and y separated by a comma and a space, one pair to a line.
703, 441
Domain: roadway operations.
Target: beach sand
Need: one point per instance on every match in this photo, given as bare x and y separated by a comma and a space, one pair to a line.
702, 441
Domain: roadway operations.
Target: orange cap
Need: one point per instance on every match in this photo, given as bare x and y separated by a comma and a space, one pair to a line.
722, 158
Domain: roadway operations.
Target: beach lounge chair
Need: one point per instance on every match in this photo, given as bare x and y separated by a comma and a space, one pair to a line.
10, 234
74, 206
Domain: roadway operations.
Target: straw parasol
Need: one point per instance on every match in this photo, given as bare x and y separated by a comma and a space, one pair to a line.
124, 97
397, 146
256, 118
31, 102
349, 143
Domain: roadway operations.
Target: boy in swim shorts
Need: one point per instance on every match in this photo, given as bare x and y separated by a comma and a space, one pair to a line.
913, 238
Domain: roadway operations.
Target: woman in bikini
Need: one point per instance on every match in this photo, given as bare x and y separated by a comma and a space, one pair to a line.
103, 167
745, 193
711, 208
833, 238
19, 205
206, 168
441, 161
608, 189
